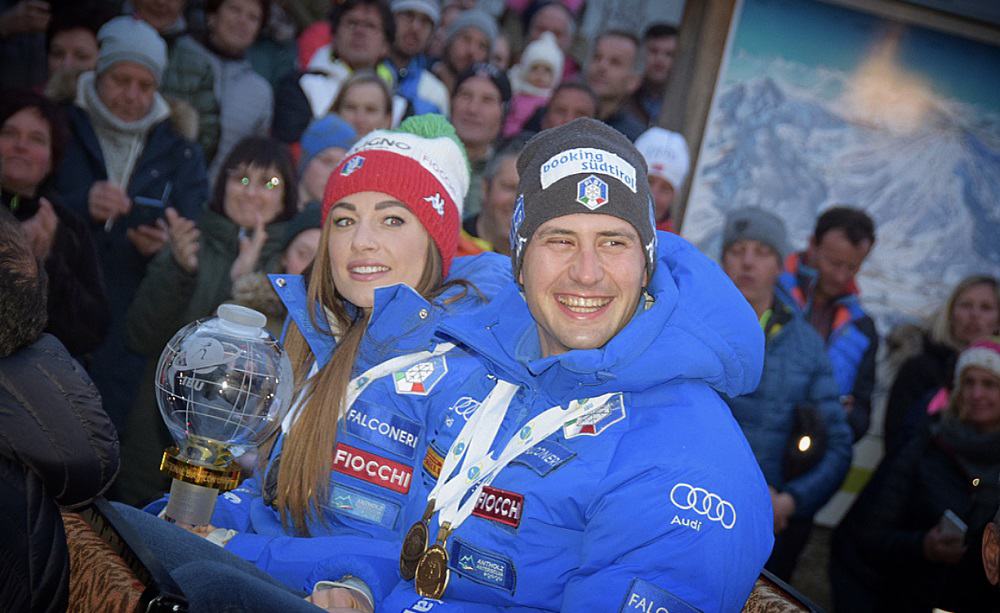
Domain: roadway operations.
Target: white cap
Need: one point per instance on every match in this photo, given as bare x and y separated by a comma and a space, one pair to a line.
666, 155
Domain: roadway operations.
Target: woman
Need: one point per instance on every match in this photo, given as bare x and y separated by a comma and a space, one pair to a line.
951, 466
32, 138
971, 312
390, 218
125, 163
365, 102
323, 146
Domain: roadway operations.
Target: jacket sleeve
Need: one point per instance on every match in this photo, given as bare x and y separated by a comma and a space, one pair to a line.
191, 184
860, 416
814, 488
157, 311
882, 532
292, 116
52, 423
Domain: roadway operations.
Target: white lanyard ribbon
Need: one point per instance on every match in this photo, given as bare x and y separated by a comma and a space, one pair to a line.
479, 468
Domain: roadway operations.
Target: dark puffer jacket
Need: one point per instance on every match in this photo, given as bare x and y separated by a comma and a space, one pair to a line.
57, 447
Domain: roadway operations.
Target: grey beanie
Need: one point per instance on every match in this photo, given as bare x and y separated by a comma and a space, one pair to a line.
424, 7
755, 224
473, 18
584, 166
127, 39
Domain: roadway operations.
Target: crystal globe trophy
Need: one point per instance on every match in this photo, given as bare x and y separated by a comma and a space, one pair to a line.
223, 385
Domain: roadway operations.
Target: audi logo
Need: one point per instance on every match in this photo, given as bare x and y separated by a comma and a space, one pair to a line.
703, 502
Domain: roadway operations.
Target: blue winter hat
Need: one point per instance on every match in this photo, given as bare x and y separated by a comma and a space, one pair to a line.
323, 133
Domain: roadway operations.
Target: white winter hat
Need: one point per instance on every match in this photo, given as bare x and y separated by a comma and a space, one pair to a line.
545, 50
666, 155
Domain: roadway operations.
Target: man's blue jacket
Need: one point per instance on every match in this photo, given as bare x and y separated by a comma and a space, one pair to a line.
657, 502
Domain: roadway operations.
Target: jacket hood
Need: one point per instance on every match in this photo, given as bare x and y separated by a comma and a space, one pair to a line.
694, 326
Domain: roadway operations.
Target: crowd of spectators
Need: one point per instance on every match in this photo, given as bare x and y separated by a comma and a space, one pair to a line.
162, 156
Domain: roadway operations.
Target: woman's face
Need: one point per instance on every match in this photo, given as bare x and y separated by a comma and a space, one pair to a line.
975, 313
374, 241
980, 390
318, 172
300, 254
26, 150
364, 108
252, 191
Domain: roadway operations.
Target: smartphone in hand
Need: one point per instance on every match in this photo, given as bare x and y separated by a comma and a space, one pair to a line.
952, 524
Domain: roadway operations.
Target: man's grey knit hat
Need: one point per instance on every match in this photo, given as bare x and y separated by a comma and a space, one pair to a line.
584, 166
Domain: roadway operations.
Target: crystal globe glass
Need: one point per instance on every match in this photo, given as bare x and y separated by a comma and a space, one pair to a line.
222, 384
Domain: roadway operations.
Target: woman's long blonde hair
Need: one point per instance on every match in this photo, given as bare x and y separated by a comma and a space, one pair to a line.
304, 469
941, 330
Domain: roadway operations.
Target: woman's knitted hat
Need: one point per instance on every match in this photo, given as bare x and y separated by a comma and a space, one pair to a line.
984, 353
422, 164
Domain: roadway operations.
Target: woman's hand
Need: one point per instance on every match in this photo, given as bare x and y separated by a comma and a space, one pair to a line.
41, 229
147, 240
339, 600
945, 547
250, 248
183, 241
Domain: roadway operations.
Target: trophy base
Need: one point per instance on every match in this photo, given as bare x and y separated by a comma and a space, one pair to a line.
190, 503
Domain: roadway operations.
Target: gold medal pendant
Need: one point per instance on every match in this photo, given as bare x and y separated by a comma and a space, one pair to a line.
414, 545
432, 571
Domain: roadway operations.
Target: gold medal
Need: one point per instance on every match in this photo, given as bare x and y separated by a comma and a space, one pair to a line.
415, 544
432, 571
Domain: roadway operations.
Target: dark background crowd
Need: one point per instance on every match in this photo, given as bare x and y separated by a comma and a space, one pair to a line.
160, 157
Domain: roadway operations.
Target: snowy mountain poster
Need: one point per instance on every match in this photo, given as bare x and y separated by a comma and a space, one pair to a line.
818, 105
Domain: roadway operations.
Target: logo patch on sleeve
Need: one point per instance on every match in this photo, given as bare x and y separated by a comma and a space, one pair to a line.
597, 419
500, 506
383, 428
433, 461
421, 378
646, 597
374, 469
484, 567
365, 507
545, 457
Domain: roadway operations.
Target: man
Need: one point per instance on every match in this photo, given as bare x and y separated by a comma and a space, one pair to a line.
555, 17
58, 446
468, 40
188, 75
798, 380
570, 100
621, 481
477, 112
659, 44
820, 281
614, 73
666, 154
415, 22
490, 228
362, 32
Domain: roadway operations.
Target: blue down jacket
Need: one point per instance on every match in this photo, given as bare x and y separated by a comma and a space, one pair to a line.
359, 513
659, 503
796, 372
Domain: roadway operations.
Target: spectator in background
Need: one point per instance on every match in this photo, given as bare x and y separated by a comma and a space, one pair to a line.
659, 44
469, 40
125, 163
820, 281
245, 98
477, 111
614, 73
362, 33
188, 74
33, 137
450, 10
489, 230
72, 48
926, 561
365, 102
57, 447
972, 311
570, 101
532, 82
666, 155
241, 232
324, 144
502, 53
415, 22
22, 43
556, 18
798, 379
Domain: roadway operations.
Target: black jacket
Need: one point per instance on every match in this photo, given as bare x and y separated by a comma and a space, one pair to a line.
57, 447
918, 377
